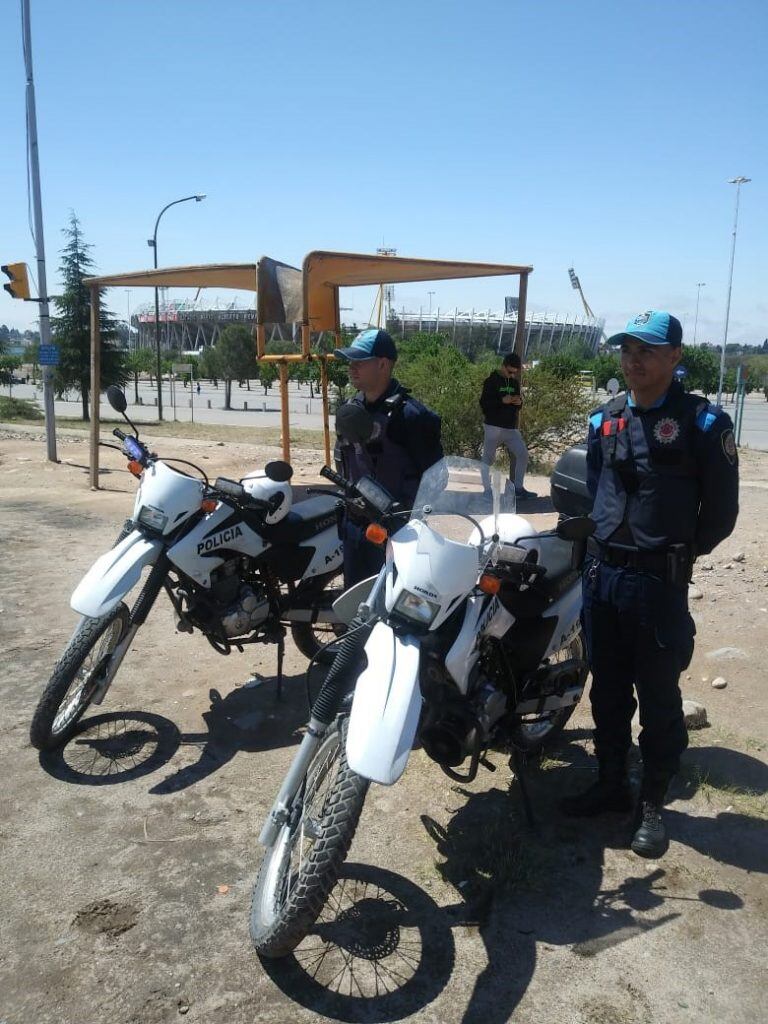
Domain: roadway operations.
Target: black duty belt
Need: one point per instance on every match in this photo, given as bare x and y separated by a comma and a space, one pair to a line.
665, 563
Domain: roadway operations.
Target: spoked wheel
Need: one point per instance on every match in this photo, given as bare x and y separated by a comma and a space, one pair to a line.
302, 866
75, 679
533, 732
321, 592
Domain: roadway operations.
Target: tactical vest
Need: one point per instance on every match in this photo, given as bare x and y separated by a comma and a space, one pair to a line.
649, 481
384, 457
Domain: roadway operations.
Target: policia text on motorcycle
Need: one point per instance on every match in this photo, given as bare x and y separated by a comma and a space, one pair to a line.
663, 469
394, 443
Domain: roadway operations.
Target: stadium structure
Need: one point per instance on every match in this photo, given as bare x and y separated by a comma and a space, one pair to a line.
192, 326
472, 331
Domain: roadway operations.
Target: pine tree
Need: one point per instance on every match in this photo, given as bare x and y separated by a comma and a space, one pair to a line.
72, 324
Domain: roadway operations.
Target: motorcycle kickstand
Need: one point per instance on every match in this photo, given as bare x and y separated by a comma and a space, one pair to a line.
518, 762
280, 656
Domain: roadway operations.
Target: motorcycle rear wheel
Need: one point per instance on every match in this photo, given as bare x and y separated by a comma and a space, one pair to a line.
75, 678
533, 735
309, 637
302, 866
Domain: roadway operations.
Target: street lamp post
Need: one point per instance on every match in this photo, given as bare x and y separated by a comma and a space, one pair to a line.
699, 286
738, 182
152, 243
430, 294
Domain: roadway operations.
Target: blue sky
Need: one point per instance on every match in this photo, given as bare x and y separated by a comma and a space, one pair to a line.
595, 133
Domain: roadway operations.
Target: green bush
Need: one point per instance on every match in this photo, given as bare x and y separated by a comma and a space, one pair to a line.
564, 364
555, 411
554, 408
19, 409
448, 383
605, 366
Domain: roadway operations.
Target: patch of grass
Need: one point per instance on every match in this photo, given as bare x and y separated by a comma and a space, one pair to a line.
19, 409
714, 789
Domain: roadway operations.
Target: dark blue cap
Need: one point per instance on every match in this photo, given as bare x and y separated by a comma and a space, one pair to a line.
654, 327
372, 343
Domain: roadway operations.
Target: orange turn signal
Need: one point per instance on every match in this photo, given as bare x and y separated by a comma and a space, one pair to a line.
135, 467
208, 504
489, 584
376, 534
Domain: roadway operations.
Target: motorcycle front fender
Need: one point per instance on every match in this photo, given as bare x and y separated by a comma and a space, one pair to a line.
385, 708
114, 574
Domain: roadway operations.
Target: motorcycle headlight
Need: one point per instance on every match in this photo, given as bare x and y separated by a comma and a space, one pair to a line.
153, 517
416, 608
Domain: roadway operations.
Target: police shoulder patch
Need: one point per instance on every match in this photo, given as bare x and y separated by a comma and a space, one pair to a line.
728, 442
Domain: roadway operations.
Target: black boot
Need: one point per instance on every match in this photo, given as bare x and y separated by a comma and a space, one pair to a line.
610, 792
650, 838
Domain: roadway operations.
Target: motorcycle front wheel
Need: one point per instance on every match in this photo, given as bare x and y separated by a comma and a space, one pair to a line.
302, 866
533, 732
320, 592
75, 678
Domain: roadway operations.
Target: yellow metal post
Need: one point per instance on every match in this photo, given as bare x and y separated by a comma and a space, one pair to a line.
261, 340
306, 339
285, 417
95, 387
324, 393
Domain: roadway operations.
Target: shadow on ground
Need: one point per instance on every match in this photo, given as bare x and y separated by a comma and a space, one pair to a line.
119, 747
383, 949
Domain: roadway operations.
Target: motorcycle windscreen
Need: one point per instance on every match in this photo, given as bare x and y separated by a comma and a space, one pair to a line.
385, 708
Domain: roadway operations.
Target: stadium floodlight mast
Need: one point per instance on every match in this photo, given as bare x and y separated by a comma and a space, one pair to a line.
152, 243
699, 286
738, 182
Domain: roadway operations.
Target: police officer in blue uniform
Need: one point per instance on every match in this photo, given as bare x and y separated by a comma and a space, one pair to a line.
662, 467
400, 443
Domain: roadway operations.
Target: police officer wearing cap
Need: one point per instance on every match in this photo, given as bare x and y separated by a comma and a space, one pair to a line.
400, 441
663, 470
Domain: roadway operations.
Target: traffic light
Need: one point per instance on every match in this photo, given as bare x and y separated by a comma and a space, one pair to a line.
19, 280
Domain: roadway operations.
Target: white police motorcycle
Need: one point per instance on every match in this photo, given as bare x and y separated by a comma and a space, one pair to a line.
468, 639
238, 560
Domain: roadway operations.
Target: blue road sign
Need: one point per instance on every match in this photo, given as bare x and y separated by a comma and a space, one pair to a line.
48, 355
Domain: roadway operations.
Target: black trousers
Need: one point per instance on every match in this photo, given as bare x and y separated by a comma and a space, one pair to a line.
361, 558
639, 639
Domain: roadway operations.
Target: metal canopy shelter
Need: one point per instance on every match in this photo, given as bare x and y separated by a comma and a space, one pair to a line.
286, 295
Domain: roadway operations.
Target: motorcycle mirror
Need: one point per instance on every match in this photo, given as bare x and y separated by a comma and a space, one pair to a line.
116, 398
278, 472
575, 529
354, 423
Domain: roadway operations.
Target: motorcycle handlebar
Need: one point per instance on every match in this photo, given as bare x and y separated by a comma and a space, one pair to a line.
233, 489
334, 477
120, 434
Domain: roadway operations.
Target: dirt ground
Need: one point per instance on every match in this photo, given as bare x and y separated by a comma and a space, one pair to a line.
128, 857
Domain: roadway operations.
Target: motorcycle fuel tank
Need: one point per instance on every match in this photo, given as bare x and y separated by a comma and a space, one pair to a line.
203, 549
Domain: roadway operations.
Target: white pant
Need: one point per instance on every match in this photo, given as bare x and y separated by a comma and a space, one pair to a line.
515, 445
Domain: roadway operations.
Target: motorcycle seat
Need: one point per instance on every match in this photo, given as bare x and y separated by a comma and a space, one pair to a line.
302, 523
555, 556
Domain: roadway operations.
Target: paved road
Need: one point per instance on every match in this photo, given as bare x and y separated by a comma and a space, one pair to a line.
264, 410
249, 408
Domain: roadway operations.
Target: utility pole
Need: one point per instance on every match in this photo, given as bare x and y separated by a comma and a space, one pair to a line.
37, 208
699, 286
738, 182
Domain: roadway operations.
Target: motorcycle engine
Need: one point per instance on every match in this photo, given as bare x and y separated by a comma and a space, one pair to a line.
453, 725
249, 610
241, 607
